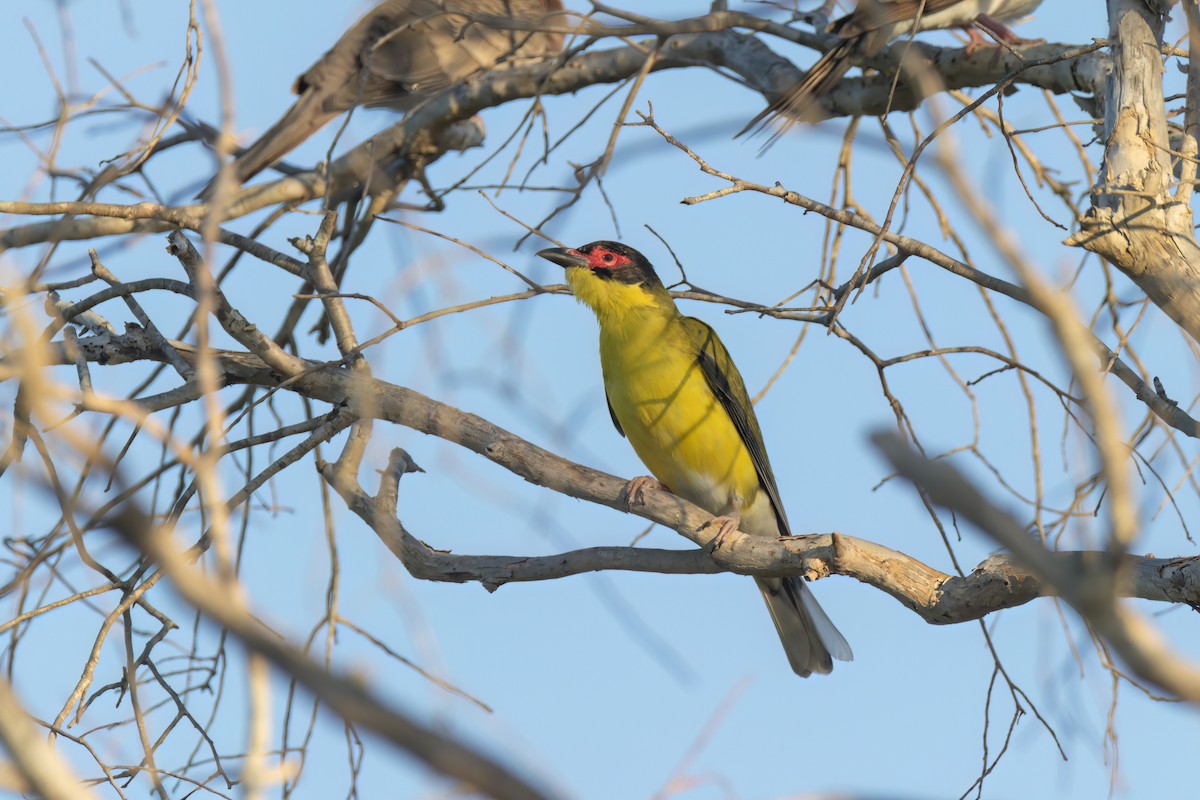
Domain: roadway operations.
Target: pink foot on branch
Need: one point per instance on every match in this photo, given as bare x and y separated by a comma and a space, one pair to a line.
977, 40
997, 29
726, 526
636, 488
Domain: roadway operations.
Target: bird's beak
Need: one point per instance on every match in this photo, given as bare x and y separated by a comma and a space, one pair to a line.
565, 257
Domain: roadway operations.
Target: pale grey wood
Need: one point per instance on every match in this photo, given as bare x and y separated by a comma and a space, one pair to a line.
1136, 222
997, 583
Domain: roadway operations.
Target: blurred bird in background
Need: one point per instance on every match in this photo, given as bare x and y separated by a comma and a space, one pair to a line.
873, 24
397, 55
674, 391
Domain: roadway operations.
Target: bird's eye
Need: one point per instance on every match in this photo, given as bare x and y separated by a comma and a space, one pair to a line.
608, 258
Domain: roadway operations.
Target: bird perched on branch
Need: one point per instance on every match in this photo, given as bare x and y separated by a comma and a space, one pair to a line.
873, 24
400, 53
674, 391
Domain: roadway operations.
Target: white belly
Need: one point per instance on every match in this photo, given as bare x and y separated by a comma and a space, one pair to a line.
964, 14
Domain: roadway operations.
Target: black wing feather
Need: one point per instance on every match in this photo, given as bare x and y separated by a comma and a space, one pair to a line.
613, 415
726, 383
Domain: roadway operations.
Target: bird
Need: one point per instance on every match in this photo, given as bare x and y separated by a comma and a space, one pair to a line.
675, 393
398, 54
873, 23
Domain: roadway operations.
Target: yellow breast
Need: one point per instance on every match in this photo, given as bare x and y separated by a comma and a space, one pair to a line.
675, 423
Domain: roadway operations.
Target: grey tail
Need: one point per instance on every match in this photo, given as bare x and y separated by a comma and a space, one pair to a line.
801, 102
809, 638
306, 116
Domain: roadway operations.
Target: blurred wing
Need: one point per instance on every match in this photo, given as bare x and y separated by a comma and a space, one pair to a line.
423, 58
726, 383
339, 75
397, 53
442, 46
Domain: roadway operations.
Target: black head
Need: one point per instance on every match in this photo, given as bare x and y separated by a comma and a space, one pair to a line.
608, 260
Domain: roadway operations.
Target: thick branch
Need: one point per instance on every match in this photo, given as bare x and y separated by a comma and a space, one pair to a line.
42, 769
938, 598
744, 55
999, 582
1084, 585
1135, 222
344, 694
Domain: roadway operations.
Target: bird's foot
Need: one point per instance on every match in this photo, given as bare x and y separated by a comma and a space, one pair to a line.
727, 524
637, 487
977, 40
1002, 33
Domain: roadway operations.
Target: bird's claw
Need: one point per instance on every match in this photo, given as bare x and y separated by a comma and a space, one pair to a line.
1018, 41
1004, 36
636, 488
975, 41
726, 526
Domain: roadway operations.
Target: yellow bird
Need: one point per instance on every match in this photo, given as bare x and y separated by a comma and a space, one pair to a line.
674, 391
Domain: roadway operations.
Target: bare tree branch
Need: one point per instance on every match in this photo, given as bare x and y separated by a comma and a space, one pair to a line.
1129, 634
40, 765
936, 596
1136, 222
348, 697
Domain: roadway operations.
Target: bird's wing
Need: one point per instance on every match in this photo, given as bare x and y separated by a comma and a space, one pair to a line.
613, 415
402, 47
726, 383
396, 54
440, 44
339, 70
384, 56
426, 58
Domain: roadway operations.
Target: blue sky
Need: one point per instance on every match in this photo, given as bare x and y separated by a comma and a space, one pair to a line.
601, 684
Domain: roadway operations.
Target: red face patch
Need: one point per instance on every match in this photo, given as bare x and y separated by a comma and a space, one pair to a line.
600, 257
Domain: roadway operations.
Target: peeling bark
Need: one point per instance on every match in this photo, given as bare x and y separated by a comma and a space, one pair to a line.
1135, 222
